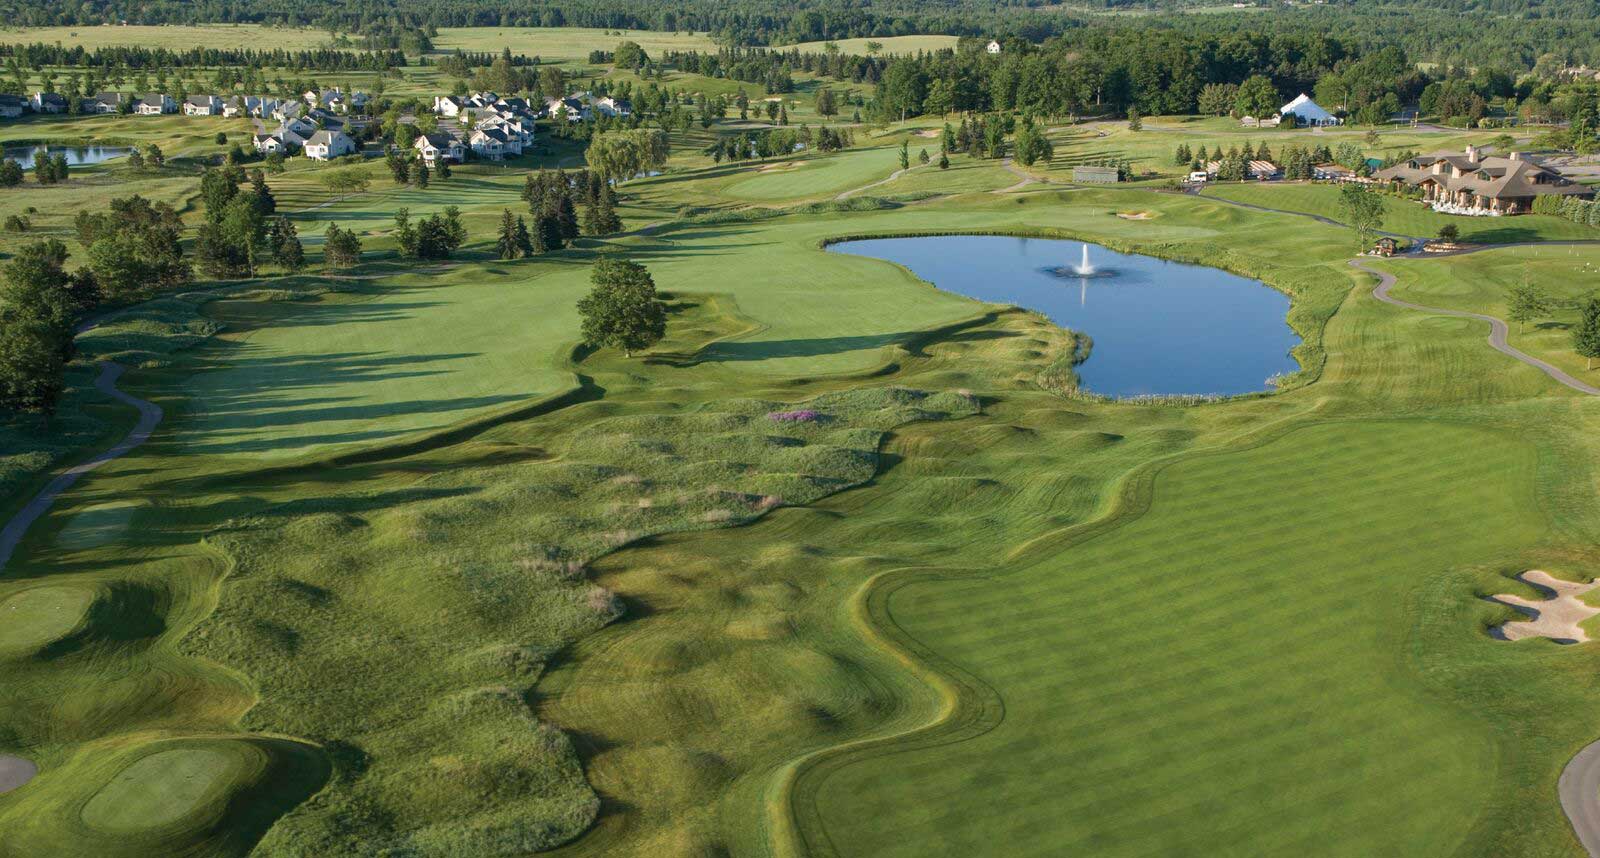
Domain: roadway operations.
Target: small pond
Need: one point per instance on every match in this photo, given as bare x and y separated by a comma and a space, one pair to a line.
1158, 327
76, 155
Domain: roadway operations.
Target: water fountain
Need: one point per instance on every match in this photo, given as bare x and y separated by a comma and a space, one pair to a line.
1084, 270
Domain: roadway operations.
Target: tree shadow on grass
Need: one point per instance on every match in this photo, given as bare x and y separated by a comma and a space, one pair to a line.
1500, 235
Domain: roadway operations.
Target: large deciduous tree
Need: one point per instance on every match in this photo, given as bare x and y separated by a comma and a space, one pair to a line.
622, 310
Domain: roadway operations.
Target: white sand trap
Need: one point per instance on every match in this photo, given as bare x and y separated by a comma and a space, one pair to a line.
14, 772
1135, 215
1555, 617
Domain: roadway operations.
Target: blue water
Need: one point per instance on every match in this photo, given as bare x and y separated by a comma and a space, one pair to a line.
1159, 327
76, 155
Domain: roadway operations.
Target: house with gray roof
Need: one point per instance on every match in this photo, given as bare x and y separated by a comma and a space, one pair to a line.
1473, 181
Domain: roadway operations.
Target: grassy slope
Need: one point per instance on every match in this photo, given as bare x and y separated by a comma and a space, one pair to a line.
700, 763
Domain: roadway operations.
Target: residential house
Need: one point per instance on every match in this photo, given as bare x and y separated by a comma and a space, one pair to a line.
1472, 183
493, 144
12, 106
326, 145
292, 140
993, 47
448, 106
612, 107
202, 105
572, 107
267, 144
285, 110
518, 129
154, 104
1332, 173
236, 106
300, 125
102, 102
48, 102
439, 145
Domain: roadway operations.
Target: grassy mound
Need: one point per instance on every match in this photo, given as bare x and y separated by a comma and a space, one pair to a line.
37, 617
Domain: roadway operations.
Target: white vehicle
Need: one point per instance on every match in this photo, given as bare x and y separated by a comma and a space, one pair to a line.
1198, 176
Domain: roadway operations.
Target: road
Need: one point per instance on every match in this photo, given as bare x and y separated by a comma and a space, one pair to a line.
149, 418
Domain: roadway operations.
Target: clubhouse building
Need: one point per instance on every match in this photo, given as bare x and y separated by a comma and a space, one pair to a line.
1471, 183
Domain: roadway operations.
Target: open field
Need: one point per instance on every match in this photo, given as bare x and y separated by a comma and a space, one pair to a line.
174, 37
405, 571
565, 45
891, 45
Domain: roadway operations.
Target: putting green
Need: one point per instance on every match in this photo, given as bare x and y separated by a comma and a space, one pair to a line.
40, 616
97, 525
166, 787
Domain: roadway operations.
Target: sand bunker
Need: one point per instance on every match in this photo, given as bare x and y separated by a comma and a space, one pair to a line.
1555, 617
14, 772
1135, 215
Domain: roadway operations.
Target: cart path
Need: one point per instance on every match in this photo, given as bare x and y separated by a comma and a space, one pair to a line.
1498, 330
1579, 788
149, 417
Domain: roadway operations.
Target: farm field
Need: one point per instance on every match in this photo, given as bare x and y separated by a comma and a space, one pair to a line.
891, 44
845, 564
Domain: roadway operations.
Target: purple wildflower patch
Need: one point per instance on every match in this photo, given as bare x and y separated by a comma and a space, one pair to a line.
804, 415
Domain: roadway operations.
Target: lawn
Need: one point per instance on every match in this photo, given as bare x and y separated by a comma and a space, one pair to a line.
827, 571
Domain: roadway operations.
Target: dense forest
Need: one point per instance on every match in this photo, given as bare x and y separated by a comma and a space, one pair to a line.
1512, 33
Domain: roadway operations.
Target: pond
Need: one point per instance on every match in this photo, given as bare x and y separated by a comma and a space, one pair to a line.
1159, 327
76, 155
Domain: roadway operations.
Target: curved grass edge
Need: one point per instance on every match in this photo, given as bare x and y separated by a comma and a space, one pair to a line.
1311, 354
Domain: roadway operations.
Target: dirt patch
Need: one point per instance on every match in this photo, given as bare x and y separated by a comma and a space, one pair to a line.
1135, 215
14, 772
1556, 616
929, 132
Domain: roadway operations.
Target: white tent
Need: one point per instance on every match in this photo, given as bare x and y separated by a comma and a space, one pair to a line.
1308, 112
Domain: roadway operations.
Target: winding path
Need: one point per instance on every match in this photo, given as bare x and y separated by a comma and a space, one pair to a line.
149, 417
1579, 786
1498, 329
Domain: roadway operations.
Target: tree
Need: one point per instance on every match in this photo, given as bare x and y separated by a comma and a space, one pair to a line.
826, 106
284, 240
217, 189
601, 216
10, 173
1135, 121
399, 168
505, 244
1586, 336
1257, 97
421, 175
905, 154
1449, 233
620, 155
405, 235
944, 161
36, 327
622, 310
1524, 303
1362, 210
341, 248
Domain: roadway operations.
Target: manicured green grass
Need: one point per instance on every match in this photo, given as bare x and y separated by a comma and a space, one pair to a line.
40, 616
374, 595
1404, 216
175, 37
803, 178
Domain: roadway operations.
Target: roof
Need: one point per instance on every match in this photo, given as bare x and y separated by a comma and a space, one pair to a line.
1490, 177
1306, 109
325, 137
438, 140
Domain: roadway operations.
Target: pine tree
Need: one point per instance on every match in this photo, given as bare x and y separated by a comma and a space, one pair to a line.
524, 241
421, 174
506, 244
1586, 336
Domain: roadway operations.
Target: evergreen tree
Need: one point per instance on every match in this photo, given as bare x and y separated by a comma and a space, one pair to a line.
341, 248
36, 328
10, 173
405, 235
524, 240
421, 175
944, 161
1586, 336
505, 244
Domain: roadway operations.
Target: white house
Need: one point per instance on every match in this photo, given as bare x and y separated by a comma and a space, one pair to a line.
266, 144
494, 144
608, 106
154, 104
300, 125
994, 47
327, 145
47, 102
102, 102
432, 147
1307, 112
202, 105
